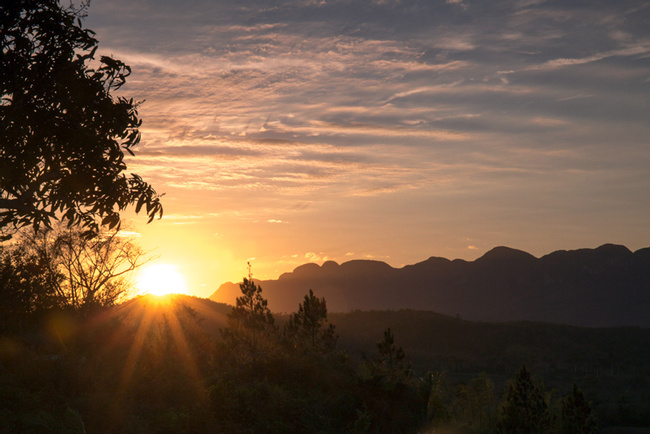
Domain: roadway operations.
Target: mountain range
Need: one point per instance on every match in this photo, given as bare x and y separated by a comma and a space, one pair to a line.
604, 287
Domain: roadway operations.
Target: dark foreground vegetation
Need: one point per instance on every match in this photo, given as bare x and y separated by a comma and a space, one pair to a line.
611, 366
179, 364
149, 366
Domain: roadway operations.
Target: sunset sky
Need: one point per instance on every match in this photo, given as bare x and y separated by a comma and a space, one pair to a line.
292, 131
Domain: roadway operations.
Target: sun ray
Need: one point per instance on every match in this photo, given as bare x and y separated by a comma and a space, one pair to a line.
145, 322
157, 318
183, 348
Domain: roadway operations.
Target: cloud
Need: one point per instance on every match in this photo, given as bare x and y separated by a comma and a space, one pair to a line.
637, 49
182, 217
129, 234
256, 108
316, 257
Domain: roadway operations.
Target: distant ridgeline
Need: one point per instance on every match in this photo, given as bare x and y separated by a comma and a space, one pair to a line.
603, 287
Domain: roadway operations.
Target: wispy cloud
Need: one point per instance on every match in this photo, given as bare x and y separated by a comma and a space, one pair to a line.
255, 108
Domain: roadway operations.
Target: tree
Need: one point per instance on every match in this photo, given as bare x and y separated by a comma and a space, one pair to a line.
395, 400
84, 272
524, 409
577, 416
390, 363
62, 133
262, 384
251, 333
24, 286
308, 328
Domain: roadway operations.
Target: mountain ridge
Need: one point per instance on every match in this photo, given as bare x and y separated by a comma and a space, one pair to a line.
607, 286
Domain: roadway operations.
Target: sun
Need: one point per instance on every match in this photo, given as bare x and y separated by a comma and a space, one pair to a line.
161, 279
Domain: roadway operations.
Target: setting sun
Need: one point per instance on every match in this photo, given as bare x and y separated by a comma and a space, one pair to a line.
161, 279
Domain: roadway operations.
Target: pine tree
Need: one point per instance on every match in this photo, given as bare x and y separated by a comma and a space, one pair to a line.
308, 328
577, 415
524, 410
391, 364
251, 333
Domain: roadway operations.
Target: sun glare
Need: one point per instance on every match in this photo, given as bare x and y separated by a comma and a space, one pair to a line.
161, 279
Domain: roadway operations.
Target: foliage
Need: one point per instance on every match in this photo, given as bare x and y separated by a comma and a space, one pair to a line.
390, 364
63, 134
25, 289
266, 381
251, 334
35, 388
476, 404
469, 406
308, 328
251, 311
524, 409
577, 416
394, 400
609, 364
439, 402
301, 383
78, 271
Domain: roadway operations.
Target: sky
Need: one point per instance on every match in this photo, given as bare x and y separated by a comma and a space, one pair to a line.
292, 131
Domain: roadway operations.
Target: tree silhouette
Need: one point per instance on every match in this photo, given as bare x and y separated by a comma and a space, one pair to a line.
524, 409
393, 400
477, 404
390, 363
308, 328
251, 333
83, 272
577, 416
62, 134
25, 287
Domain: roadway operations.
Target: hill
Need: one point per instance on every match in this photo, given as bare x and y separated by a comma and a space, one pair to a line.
209, 315
609, 364
604, 287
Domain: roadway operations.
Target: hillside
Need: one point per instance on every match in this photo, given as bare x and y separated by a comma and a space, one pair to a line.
603, 287
210, 316
609, 364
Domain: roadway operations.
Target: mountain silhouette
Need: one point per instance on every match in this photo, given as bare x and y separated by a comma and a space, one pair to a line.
604, 287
